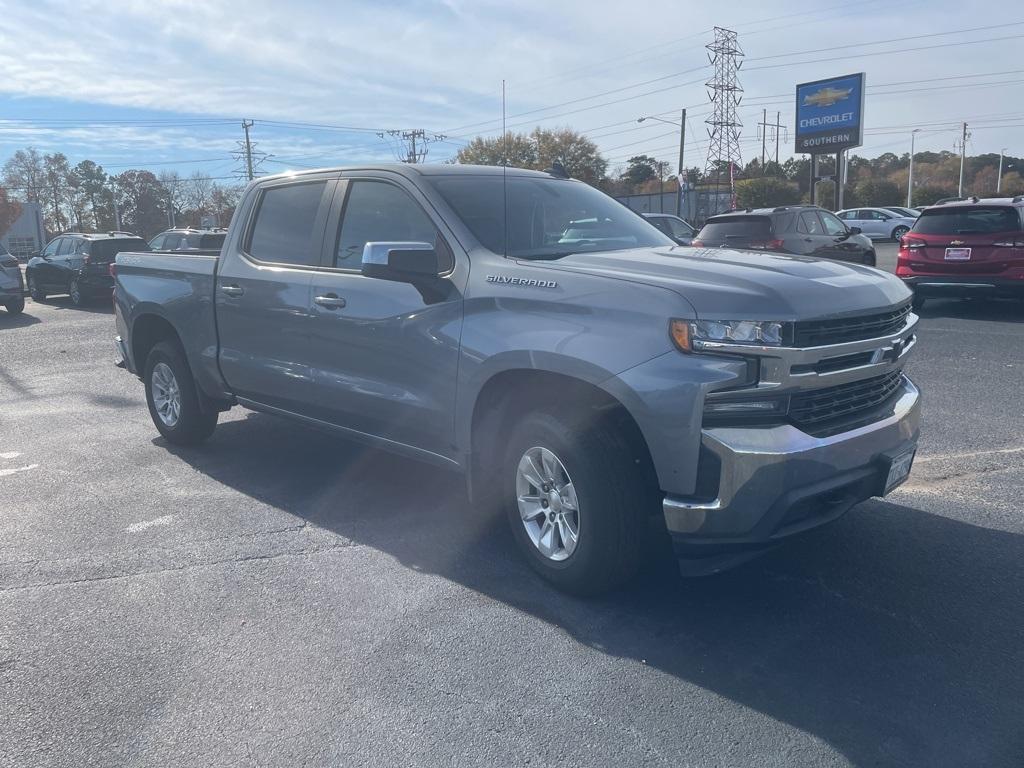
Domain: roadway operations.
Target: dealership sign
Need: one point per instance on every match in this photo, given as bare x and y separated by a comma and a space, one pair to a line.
830, 114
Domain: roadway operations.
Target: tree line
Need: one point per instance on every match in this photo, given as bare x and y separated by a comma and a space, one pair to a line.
880, 180
85, 198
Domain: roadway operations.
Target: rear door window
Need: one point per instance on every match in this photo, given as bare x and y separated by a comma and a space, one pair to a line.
968, 220
287, 229
66, 246
679, 228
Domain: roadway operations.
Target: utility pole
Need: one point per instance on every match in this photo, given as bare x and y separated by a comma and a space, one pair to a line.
963, 152
999, 178
778, 118
910, 174
680, 174
246, 125
764, 135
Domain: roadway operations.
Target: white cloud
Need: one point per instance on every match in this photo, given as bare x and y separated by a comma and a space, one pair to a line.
438, 64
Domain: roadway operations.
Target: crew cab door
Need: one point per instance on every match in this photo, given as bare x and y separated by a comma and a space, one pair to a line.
262, 292
384, 353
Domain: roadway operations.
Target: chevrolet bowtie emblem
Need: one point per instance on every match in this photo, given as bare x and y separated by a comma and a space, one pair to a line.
956, 242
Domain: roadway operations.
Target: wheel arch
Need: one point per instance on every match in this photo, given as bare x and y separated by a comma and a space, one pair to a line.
513, 391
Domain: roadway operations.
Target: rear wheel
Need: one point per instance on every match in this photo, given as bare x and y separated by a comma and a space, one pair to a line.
16, 306
899, 232
172, 398
577, 503
34, 290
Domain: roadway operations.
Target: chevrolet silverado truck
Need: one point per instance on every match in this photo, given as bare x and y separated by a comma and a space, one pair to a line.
600, 383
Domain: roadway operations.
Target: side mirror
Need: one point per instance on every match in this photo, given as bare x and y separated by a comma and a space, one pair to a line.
855, 230
403, 262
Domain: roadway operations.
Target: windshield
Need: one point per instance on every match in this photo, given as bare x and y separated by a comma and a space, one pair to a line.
547, 218
967, 220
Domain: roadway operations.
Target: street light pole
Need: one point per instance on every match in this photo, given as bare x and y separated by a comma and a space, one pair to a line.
681, 125
999, 178
910, 175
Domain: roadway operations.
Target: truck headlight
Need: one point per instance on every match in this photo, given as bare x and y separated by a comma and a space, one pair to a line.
690, 335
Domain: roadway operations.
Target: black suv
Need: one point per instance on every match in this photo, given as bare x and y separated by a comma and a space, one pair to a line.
189, 239
78, 264
803, 230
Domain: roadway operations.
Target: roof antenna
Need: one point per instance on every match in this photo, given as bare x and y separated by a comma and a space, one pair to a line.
504, 171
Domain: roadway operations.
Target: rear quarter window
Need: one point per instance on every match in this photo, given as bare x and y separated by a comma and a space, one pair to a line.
968, 220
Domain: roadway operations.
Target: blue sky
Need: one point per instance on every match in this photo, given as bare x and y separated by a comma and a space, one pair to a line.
164, 85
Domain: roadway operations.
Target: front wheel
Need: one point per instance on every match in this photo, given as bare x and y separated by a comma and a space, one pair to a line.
75, 291
34, 290
172, 398
578, 506
899, 232
16, 306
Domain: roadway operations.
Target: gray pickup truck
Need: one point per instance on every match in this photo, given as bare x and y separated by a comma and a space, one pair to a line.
599, 382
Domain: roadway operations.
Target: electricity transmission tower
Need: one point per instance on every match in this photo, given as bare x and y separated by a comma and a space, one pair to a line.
247, 154
724, 125
411, 146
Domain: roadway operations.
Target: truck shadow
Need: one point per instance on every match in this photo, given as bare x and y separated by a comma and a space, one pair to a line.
894, 635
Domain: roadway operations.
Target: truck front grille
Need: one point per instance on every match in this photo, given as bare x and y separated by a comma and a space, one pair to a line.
816, 333
830, 410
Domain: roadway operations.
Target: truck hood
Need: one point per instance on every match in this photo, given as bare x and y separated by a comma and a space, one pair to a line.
747, 285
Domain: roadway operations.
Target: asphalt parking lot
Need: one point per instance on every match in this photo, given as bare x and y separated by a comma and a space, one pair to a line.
280, 598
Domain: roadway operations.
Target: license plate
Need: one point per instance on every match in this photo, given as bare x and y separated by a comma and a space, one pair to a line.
958, 254
899, 470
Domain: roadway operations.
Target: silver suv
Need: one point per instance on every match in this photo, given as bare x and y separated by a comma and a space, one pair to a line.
12, 287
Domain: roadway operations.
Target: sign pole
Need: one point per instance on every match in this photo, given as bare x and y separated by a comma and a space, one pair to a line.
840, 178
814, 179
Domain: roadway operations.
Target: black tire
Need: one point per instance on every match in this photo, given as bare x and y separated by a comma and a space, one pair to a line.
917, 303
194, 425
37, 293
16, 306
899, 232
75, 292
614, 502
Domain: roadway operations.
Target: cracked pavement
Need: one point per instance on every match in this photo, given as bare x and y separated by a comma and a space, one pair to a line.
281, 597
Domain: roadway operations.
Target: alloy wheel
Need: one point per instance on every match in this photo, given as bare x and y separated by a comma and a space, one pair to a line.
166, 394
548, 506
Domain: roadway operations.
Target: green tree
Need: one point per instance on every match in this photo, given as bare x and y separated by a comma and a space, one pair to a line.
58, 191
928, 194
518, 149
877, 192
539, 150
143, 202
90, 181
640, 169
766, 192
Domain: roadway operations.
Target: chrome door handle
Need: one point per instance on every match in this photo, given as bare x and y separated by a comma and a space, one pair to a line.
330, 301
232, 290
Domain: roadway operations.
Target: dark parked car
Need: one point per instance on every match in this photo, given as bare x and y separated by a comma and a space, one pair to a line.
672, 226
12, 290
802, 230
188, 239
78, 264
965, 248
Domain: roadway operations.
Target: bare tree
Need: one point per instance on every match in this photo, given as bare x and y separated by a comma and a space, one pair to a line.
24, 175
176, 194
199, 191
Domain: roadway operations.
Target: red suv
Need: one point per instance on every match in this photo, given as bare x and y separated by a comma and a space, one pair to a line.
965, 247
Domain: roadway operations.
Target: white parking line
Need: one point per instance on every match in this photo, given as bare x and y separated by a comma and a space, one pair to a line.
162, 520
15, 470
9, 455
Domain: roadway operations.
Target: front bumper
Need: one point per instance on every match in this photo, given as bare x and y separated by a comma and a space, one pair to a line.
775, 481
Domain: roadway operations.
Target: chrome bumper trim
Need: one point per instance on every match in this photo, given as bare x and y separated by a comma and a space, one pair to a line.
760, 466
